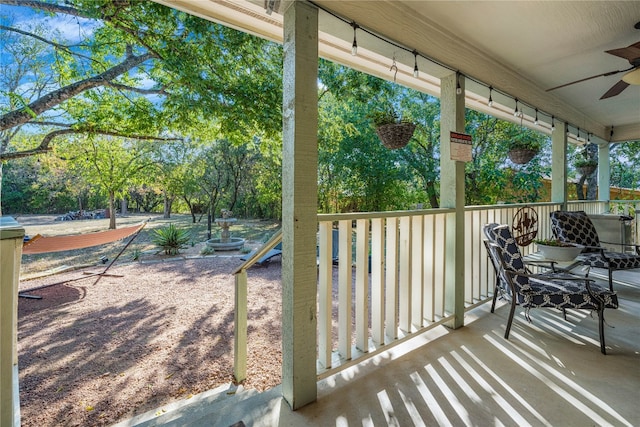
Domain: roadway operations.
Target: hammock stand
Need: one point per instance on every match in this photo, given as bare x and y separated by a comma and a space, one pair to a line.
43, 244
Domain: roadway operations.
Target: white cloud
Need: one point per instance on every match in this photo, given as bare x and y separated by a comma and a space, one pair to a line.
70, 28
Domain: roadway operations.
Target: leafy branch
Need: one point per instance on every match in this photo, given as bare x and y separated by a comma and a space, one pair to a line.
45, 147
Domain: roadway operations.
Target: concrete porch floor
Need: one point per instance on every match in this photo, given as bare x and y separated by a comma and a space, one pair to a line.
549, 372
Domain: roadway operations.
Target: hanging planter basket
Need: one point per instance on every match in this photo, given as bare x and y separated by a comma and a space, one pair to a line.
521, 156
395, 135
587, 170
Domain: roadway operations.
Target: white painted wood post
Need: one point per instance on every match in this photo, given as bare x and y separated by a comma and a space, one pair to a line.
391, 280
452, 196
404, 282
604, 173
325, 285
345, 290
299, 203
240, 322
362, 285
11, 237
417, 278
377, 280
559, 163
428, 268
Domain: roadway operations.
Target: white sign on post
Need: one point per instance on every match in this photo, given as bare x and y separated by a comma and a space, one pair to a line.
461, 147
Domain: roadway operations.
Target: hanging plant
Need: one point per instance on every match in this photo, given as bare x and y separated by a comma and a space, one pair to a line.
523, 147
586, 166
393, 132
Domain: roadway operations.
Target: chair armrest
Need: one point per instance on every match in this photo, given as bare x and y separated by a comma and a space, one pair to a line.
547, 263
621, 244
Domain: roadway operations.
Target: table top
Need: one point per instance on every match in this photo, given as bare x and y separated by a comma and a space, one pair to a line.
560, 265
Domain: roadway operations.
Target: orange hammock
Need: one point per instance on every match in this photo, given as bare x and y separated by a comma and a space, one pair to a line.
42, 244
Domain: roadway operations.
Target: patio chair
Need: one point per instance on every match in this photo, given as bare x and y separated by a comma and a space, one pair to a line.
502, 287
266, 258
556, 290
576, 227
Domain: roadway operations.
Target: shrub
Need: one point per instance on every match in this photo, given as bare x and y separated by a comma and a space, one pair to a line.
171, 239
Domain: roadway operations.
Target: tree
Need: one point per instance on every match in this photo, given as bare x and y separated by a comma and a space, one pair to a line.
113, 164
422, 154
625, 165
590, 154
126, 76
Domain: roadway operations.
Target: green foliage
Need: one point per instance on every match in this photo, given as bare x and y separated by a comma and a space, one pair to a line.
207, 250
135, 255
583, 163
524, 140
552, 242
384, 117
171, 239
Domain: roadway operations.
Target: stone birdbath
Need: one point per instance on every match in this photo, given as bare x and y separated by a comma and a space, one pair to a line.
226, 242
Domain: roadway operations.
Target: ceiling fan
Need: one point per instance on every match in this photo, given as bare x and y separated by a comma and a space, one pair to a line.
632, 76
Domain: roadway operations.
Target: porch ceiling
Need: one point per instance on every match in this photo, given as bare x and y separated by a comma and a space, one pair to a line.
520, 48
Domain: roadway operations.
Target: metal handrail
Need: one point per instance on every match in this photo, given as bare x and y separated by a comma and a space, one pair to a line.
270, 244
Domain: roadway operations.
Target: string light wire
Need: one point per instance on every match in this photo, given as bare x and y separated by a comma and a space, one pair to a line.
435, 62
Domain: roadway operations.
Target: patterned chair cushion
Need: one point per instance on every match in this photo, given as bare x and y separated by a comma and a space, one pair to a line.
613, 260
574, 227
561, 294
510, 251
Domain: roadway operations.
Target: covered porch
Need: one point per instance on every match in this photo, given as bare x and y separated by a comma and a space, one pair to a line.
380, 370
549, 372
428, 268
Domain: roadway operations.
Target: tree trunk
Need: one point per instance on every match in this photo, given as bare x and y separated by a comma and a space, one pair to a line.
124, 210
430, 187
592, 186
191, 209
112, 210
168, 201
580, 187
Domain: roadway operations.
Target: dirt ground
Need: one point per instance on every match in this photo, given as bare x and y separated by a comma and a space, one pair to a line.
97, 353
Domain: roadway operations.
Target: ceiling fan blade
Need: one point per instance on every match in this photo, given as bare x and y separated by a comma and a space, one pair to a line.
630, 53
610, 73
616, 89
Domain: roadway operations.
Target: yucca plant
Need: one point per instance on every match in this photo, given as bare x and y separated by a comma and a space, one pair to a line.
171, 239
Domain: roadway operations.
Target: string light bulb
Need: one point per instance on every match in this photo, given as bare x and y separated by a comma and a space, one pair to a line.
516, 113
490, 103
458, 88
553, 123
536, 122
588, 138
416, 72
354, 46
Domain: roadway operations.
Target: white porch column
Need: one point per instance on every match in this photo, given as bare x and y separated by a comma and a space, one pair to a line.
11, 236
452, 196
559, 164
299, 203
604, 173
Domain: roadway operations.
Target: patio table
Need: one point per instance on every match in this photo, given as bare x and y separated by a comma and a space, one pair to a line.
562, 266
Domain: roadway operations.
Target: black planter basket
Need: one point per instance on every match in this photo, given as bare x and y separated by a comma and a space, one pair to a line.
395, 135
521, 156
587, 170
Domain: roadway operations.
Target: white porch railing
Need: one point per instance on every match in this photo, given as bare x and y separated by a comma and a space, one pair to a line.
389, 282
